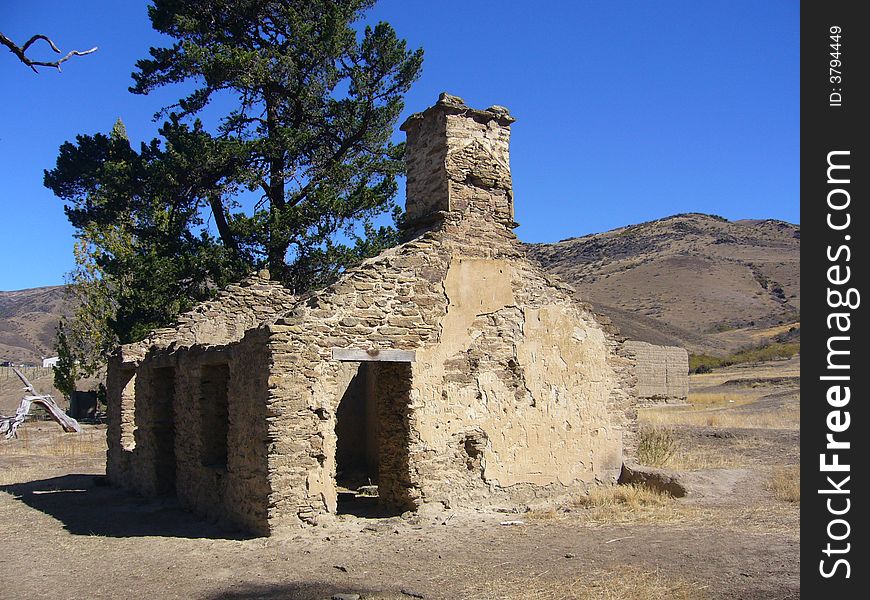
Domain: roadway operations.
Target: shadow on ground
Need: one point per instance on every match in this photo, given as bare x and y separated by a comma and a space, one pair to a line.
87, 505
365, 507
303, 591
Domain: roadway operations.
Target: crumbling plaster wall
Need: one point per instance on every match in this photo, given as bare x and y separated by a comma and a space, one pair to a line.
515, 391
523, 375
662, 372
504, 360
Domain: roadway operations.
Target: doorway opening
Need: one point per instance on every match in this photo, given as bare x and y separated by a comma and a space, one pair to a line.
373, 433
163, 427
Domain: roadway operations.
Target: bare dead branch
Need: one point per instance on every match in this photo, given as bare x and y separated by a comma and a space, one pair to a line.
21, 52
39, 36
9, 425
27, 385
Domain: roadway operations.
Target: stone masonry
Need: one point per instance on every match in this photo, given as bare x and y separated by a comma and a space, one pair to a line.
662, 372
149, 437
448, 371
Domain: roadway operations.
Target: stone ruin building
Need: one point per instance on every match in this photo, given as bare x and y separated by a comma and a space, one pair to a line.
661, 372
445, 372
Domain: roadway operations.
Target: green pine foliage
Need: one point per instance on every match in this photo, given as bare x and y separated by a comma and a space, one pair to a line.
313, 101
316, 103
65, 370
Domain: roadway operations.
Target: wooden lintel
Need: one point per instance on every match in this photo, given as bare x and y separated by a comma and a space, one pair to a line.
385, 355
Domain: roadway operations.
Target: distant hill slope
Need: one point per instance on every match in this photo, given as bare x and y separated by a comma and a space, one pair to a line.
693, 280
27, 323
700, 281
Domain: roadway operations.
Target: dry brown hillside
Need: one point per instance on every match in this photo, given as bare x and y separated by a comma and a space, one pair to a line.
694, 280
699, 281
27, 323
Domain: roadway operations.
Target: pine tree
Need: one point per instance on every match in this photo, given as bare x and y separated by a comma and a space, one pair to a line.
314, 107
314, 100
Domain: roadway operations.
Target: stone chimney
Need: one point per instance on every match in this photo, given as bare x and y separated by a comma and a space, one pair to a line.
458, 162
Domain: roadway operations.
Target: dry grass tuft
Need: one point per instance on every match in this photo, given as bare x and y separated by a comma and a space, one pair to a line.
659, 446
656, 446
43, 450
719, 399
618, 504
77, 446
625, 582
11, 475
632, 496
786, 483
760, 335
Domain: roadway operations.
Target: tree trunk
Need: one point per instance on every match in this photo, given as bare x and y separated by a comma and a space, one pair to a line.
278, 242
220, 219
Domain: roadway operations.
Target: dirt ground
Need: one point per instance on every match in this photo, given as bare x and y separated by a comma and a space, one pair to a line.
67, 534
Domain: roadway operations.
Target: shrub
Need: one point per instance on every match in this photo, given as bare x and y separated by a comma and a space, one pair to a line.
704, 363
773, 351
656, 446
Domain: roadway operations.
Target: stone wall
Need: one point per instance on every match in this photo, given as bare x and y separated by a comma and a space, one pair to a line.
510, 377
216, 468
427, 192
662, 372
155, 393
223, 478
514, 392
120, 406
235, 310
458, 160
385, 303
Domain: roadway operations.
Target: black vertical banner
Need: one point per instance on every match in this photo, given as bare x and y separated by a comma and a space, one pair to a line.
835, 168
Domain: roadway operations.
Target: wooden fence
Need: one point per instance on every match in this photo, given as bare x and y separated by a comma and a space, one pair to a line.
29, 372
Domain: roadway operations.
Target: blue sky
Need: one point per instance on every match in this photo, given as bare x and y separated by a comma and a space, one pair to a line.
627, 110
